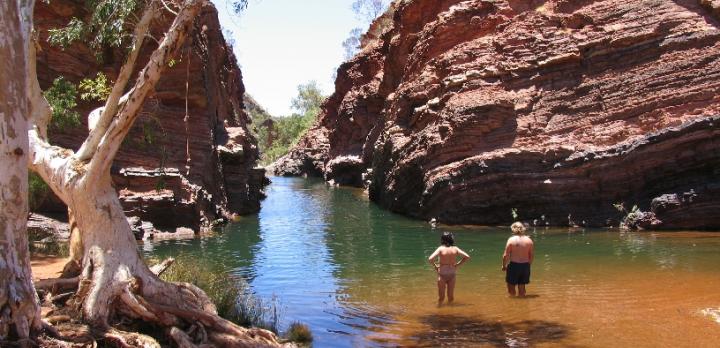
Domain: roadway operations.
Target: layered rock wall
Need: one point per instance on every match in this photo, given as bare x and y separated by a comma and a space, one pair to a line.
466, 110
189, 159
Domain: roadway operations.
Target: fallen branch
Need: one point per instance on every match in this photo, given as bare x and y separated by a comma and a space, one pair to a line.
54, 283
161, 267
61, 297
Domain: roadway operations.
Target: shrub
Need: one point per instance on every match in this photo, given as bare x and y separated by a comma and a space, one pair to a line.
38, 191
300, 333
62, 99
95, 89
49, 246
631, 218
235, 303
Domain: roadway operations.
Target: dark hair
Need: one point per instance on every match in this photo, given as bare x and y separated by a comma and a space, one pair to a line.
447, 239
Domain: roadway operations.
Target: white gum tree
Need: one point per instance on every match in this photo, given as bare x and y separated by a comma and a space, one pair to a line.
19, 309
114, 278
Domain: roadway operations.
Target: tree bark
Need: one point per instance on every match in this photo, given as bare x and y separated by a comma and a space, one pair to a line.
19, 309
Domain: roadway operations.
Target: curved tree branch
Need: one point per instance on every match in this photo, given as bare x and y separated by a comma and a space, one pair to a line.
50, 162
149, 76
97, 130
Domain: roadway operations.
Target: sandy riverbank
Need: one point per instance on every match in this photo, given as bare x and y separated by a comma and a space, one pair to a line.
46, 266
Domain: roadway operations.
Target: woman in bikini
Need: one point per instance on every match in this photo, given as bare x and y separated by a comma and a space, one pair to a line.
447, 254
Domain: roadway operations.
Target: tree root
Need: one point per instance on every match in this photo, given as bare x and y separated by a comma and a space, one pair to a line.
206, 325
185, 311
124, 339
181, 338
57, 284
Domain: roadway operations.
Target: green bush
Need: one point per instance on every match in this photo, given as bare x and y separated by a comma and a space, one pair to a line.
62, 97
107, 25
51, 247
299, 333
95, 89
282, 133
235, 303
630, 218
38, 191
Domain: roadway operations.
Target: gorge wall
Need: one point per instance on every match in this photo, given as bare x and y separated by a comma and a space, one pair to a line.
464, 111
189, 159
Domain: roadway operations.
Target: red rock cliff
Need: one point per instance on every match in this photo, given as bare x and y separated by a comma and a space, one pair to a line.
190, 158
466, 110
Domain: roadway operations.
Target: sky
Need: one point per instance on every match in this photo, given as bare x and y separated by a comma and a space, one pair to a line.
281, 44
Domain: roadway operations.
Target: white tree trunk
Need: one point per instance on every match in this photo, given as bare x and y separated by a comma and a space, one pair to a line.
114, 278
19, 309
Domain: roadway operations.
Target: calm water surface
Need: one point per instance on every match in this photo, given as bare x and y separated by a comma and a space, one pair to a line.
358, 276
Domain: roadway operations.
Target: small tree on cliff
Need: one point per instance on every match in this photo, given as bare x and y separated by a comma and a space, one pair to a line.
368, 10
19, 309
114, 280
365, 11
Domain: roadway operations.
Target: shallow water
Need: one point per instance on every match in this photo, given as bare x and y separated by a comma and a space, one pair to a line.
358, 276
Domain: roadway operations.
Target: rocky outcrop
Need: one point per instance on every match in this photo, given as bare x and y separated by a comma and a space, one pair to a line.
40, 227
189, 159
558, 109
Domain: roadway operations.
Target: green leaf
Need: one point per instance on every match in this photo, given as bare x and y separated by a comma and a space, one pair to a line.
95, 89
62, 97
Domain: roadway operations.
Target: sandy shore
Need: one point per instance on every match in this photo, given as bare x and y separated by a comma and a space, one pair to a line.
44, 266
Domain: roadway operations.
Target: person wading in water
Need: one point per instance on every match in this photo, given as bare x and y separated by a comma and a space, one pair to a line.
447, 254
516, 260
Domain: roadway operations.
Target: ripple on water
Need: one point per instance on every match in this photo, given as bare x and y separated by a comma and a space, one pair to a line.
358, 276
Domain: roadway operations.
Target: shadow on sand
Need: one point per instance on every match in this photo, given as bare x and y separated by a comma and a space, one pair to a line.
455, 330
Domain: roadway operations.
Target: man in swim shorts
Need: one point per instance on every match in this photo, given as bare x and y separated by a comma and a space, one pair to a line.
516, 260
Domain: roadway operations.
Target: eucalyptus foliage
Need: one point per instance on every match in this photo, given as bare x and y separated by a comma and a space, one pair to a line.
95, 89
276, 135
62, 96
308, 99
109, 24
366, 11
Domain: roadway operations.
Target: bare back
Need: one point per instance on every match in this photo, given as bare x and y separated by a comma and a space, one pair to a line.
447, 255
520, 249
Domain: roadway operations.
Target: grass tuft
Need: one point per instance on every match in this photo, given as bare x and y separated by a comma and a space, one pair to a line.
230, 294
299, 333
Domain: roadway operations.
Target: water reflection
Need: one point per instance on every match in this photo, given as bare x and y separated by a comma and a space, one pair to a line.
455, 330
291, 260
358, 276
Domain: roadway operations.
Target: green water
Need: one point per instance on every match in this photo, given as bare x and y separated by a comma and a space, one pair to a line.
358, 276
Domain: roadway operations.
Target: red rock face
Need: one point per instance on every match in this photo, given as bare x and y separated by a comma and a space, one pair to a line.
189, 158
466, 110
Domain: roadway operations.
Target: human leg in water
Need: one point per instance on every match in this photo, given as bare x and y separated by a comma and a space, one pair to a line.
511, 289
441, 289
451, 290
